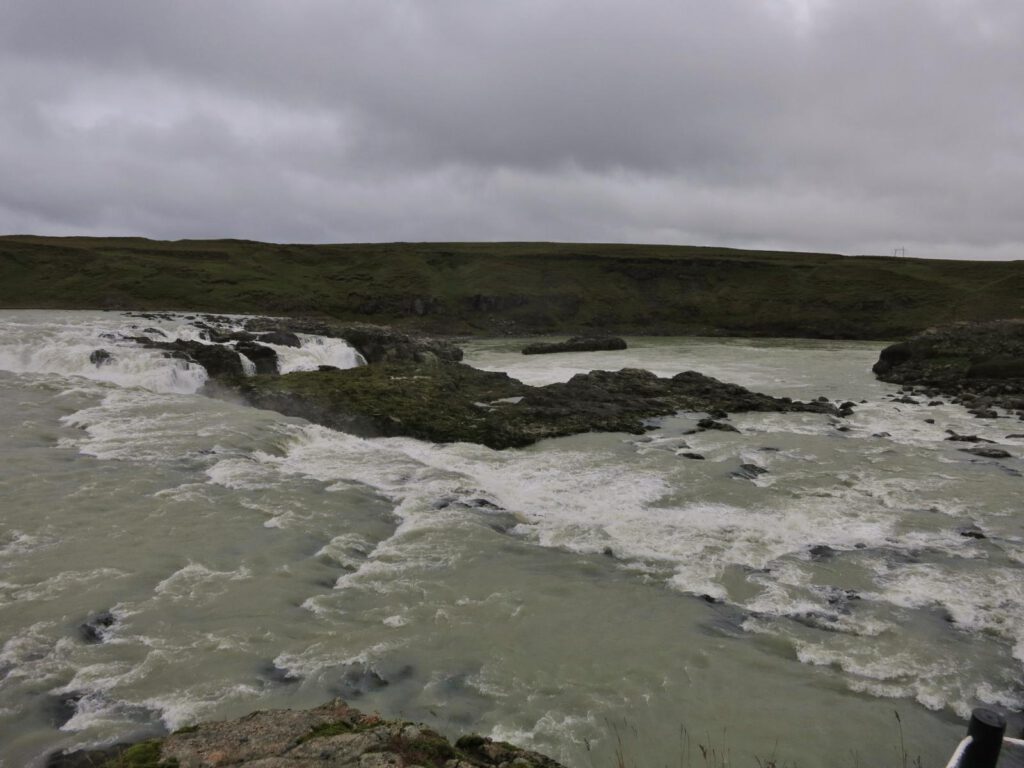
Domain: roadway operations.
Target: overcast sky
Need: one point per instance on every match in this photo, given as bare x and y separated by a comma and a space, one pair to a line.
854, 126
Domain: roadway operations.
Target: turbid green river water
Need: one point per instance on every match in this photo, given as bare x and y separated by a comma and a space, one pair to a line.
582, 594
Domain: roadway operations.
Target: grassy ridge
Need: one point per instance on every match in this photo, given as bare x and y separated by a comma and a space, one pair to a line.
494, 288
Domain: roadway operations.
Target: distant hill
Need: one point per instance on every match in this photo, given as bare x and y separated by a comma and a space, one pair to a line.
516, 288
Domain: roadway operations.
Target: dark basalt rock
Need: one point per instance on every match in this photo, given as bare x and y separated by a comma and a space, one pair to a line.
281, 338
577, 344
94, 629
954, 437
988, 453
264, 358
971, 531
273, 673
100, 357
749, 472
218, 361
821, 552
452, 402
688, 455
979, 364
711, 424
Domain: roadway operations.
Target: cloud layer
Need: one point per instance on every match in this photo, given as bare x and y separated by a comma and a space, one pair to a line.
830, 125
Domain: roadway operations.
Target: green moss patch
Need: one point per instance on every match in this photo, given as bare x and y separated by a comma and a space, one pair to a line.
143, 755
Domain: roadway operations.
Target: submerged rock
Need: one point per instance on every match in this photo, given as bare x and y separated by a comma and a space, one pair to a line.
577, 344
452, 402
94, 629
749, 472
100, 357
330, 735
988, 453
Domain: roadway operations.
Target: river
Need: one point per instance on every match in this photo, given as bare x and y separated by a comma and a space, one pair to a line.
583, 596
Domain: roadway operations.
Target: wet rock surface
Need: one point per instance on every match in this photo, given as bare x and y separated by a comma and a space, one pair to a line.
577, 344
453, 402
334, 734
979, 364
376, 343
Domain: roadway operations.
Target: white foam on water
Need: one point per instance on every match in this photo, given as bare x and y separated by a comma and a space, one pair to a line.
314, 352
65, 347
990, 601
242, 473
136, 425
59, 583
187, 707
248, 366
195, 582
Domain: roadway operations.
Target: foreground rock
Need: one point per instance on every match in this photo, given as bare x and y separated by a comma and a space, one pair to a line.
452, 402
576, 344
980, 364
332, 735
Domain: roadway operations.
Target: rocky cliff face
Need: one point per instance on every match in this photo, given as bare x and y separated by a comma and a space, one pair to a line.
333, 735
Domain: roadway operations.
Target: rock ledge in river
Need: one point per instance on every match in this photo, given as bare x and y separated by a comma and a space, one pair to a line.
453, 402
576, 344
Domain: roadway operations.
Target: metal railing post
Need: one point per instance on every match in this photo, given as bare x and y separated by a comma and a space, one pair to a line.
986, 730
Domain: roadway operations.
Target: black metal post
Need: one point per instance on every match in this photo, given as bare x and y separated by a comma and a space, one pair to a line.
986, 730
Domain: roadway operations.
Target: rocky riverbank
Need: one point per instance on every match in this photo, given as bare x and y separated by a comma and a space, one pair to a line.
978, 365
334, 734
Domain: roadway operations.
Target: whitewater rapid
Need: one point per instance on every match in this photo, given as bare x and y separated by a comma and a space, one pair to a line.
251, 560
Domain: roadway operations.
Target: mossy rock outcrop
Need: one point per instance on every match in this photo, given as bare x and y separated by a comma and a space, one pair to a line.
453, 402
983, 363
331, 735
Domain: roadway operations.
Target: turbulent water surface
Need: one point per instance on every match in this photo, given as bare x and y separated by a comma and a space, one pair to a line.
582, 594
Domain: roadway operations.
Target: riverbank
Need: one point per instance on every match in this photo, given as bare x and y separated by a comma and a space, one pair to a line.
504, 289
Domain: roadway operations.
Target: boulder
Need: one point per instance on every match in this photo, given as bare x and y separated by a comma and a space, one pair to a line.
281, 338
100, 357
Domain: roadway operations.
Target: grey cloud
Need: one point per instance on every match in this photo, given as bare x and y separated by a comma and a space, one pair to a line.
806, 124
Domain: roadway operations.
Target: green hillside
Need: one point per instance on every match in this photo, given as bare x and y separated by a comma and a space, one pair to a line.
520, 288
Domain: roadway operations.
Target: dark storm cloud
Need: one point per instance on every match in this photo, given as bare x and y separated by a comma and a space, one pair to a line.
856, 126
